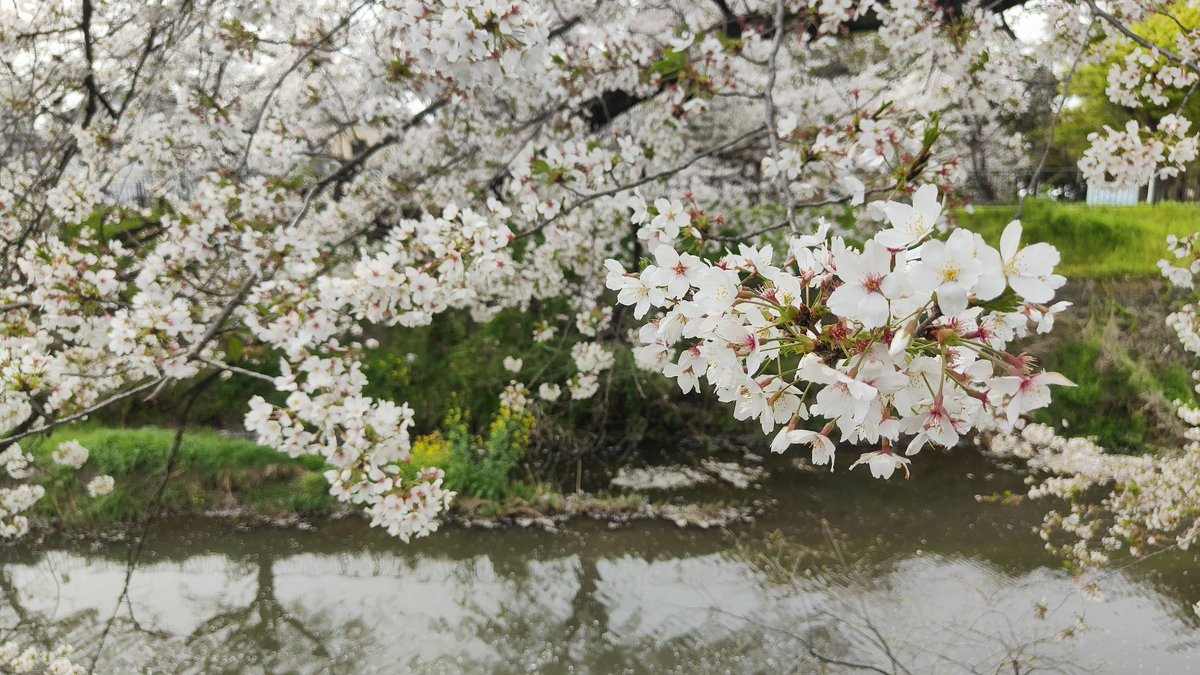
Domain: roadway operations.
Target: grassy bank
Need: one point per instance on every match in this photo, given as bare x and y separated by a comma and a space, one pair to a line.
1113, 343
1096, 242
219, 473
212, 473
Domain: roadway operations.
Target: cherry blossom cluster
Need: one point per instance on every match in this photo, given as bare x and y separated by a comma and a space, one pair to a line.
1116, 503
1136, 155
20, 467
14, 502
902, 338
364, 440
1182, 272
590, 359
37, 660
70, 453
1145, 76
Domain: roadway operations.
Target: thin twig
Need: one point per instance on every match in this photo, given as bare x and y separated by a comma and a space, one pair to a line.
666, 173
239, 370
1083, 44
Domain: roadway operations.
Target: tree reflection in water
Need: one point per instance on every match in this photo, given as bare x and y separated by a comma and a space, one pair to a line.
912, 590
264, 634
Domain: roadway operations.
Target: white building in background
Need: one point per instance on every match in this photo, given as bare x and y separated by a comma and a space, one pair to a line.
1110, 195
1102, 194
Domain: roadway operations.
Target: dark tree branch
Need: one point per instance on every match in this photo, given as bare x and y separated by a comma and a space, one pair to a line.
89, 80
732, 26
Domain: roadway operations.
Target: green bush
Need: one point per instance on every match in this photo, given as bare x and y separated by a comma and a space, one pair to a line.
483, 467
455, 362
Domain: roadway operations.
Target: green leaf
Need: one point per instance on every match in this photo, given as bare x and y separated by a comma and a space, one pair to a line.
1007, 303
234, 349
671, 63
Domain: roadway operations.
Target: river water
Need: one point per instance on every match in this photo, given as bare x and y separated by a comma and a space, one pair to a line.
903, 576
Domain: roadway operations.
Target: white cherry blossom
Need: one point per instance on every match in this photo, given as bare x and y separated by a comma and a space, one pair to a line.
882, 464
868, 285
1028, 271
911, 223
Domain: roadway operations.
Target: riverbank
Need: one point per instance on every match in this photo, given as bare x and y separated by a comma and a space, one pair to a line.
213, 473
217, 476
1114, 342
1128, 365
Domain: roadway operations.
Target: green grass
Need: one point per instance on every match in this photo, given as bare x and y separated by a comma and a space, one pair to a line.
1096, 242
212, 472
1113, 399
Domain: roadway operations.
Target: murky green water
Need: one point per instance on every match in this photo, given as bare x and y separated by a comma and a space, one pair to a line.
941, 584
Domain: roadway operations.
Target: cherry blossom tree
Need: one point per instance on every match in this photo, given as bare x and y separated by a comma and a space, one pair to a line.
242, 188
